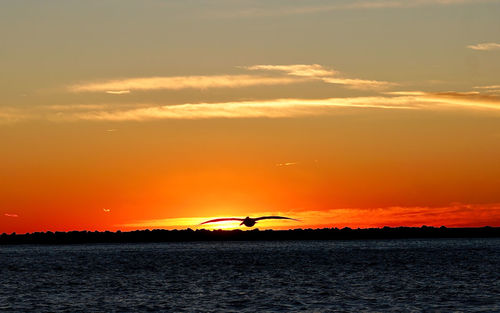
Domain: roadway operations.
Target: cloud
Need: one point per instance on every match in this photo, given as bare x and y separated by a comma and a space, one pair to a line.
453, 215
347, 5
488, 87
492, 89
272, 108
460, 100
179, 82
304, 70
294, 73
316, 71
11, 215
287, 164
118, 92
276, 108
11, 114
488, 46
106, 210
406, 93
382, 4
358, 83
288, 108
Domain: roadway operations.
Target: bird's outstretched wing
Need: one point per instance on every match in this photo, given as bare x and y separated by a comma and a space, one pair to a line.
222, 220
275, 217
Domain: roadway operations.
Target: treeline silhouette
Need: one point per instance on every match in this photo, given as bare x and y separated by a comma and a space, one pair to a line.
161, 235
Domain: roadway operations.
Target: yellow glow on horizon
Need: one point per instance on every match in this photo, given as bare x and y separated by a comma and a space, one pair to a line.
195, 223
453, 215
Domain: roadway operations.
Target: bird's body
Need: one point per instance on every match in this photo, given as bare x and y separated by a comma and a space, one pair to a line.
248, 221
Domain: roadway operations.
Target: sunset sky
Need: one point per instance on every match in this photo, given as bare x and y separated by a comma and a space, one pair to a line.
121, 114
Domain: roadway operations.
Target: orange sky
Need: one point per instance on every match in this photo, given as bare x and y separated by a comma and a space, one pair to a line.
367, 115
325, 171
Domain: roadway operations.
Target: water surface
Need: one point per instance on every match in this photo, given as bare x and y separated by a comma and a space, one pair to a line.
380, 275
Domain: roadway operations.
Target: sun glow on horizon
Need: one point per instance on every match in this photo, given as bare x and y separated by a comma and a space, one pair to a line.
195, 223
450, 216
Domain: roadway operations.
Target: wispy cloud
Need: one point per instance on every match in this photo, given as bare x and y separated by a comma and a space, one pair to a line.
488, 46
381, 4
287, 108
492, 89
273, 108
358, 83
278, 108
453, 215
316, 71
121, 86
294, 73
454, 100
488, 87
11, 215
267, 11
118, 92
287, 164
12, 114
305, 70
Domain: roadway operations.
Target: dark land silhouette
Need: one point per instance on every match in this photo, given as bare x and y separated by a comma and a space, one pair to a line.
160, 235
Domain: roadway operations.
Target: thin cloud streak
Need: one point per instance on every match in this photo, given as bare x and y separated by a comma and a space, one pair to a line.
358, 83
288, 108
294, 73
488, 87
118, 92
11, 215
304, 70
382, 4
453, 215
316, 71
458, 100
279, 108
348, 5
180, 82
273, 108
491, 88
287, 164
488, 46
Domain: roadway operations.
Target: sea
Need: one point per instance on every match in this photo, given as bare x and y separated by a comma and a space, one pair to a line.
431, 275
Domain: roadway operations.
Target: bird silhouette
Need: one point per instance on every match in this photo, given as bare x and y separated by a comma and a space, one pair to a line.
248, 221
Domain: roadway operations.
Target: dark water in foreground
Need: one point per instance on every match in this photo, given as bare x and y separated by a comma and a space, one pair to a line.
398, 275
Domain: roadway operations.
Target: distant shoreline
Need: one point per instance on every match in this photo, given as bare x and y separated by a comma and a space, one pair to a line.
161, 235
